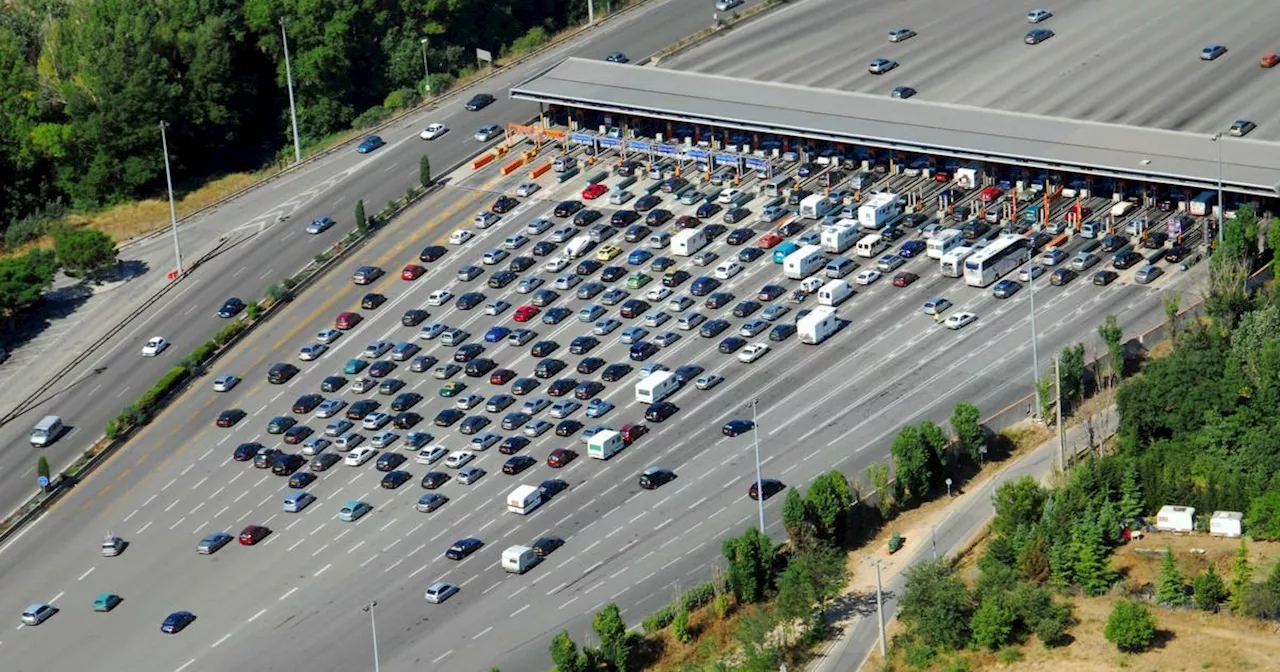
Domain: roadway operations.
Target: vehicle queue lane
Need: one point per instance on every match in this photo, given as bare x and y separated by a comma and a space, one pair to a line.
279, 540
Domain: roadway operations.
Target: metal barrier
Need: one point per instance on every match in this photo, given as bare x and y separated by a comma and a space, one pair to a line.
567, 175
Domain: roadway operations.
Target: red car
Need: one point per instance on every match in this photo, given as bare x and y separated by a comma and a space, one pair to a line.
990, 194
594, 191
769, 241
941, 176
560, 457
347, 320
687, 222
904, 278
253, 534
412, 272
632, 432
1269, 61
501, 376
525, 313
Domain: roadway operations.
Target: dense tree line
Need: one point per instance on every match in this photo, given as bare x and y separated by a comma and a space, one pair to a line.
85, 83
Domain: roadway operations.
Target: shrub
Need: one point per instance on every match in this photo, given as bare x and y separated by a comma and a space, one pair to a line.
441, 82
536, 37
992, 623
371, 117
113, 429
698, 595
253, 310
680, 626
957, 664
918, 654
401, 99
658, 620
289, 283
199, 356
1130, 627
229, 332
150, 399
132, 416
1009, 655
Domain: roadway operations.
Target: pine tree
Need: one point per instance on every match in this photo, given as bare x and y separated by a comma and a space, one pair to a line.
1273, 581
1169, 583
1092, 568
1062, 573
1209, 589
1130, 495
1109, 523
1241, 573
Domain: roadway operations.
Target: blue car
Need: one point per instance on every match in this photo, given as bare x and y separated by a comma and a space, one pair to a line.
911, 248
177, 622
496, 334
638, 257
556, 315
370, 143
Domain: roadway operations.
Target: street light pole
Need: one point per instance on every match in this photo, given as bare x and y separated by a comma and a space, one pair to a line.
426, 72
1217, 139
755, 433
293, 109
1035, 352
173, 210
591, 12
374, 624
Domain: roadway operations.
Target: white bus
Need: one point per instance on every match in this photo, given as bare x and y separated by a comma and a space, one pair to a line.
777, 186
943, 242
952, 263
996, 260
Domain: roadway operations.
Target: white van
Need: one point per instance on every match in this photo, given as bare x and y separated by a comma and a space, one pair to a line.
519, 559
564, 163
834, 293
659, 240
47, 430
870, 245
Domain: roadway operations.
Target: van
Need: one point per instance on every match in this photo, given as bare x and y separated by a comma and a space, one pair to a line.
659, 240
564, 164
861, 180
47, 430
840, 267
834, 293
298, 500
870, 245
519, 559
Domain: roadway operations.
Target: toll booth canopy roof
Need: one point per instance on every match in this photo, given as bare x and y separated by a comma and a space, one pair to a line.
1127, 152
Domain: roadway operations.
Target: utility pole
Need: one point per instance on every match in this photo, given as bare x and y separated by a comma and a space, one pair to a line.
755, 433
1057, 386
374, 624
884, 650
1217, 139
173, 210
1035, 352
293, 109
591, 12
426, 72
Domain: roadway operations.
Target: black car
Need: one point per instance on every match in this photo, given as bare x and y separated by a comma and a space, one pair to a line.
771, 292
499, 403
361, 408
477, 368
642, 350
568, 427
473, 424
613, 273
285, 464
548, 368
587, 267
736, 427
688, 372
647, 202
463, 548
712, 328
502, 279
587, 389
781, 332
637, 232
714, 231
544, 348
736, 215
513, 444
301, 479
771, 488
434, 479
515, 420
707, 210
975, 229
1113, 242
543, 247
467, 353
892, 234
567, 208
589, 365
395, 479
749, 254
1155, 240
504, 204
1125, 260
520, 264
177, 622
654, 478
545, 546
448, 417
552, 487
323, 461
703, 286
1061, 277
406, 420
405, 401
231, 308
372, 300
719, 300
524, 386
517, 463
745, 308
661, 264
1177, 253
660, 411
740, 236
657, 217
432, 252
615, 372
381, 368
470, 300
230, 417
623, 218
479, 102
413, 317
731, 345
332, 383
582, 345
586, 217
1104, 278
633, 308
245, 451
280, 374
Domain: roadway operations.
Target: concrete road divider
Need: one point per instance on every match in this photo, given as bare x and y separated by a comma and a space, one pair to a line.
540, 171
483, 161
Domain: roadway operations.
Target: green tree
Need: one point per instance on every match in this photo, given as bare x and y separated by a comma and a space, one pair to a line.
1062, 563
750, 565
362, 222
754, 632
878, 477
1130, 495
680, 625
1018, 505
1272, 584
565, 654
1171, 301
1092, 567
1130, 627
828, 500
965, 423
424, 171
612, 631
1111, 334
917, 461
1038, 613
1169, 582
936, 604
993, 622
1273, 244
1209, 589
795, 517
1048, 398
83, 250
1241, 574
23, 279
1263, 519
1033, 557
809, 580
1071, 370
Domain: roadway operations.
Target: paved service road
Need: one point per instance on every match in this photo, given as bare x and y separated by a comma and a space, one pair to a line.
261, 249
1107, 62
294, 601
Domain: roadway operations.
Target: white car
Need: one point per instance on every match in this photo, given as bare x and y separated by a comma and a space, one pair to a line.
1038, 15
470, 475
433, 131
155, 345
556, 265
496, 307
527, 189
1053, 256
431, 455
960, 320
460, 236
657, 294
752, 352
359, 456
1026, 274
439, 297
377, 349
494, 256
375, 420
440, 591
312, 351
538, 226
728, 195
867, 276
459, 458
936, 306
727, 270
225, 383
328, 336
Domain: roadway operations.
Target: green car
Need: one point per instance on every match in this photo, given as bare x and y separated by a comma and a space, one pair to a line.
106, 602
637, 280
354, 366
452, 388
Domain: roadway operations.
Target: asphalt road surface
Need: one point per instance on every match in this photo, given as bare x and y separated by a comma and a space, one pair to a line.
294, 601
1135, 63
263, 241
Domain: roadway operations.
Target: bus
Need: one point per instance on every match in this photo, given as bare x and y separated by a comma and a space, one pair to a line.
952, 263
996, 260
777, 186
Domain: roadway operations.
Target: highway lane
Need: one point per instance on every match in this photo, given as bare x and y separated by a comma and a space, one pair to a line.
264, 248
353, 561
1107, 62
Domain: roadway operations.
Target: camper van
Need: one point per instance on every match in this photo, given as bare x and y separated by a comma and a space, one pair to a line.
604, 445
519, 559
877, 211
837, 239
815, 327
943, 242
524, 499
803, 263
687, 242
656, 386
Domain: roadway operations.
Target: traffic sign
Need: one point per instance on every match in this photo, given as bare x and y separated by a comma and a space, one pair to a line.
43, 482
172, 275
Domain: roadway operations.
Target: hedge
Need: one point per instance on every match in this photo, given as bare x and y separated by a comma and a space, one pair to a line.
692, 599
229, 332
170, 381
199, 356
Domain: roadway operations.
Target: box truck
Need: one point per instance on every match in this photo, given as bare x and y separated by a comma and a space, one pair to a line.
877, 211
820, 323
687, 242
519, 559
804, 262
605, 444
1202, 204
839, 238
833, 293
656, 386
524, 499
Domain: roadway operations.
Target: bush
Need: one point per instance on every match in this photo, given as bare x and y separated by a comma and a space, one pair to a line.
401, 99
1009, 655
253, 310
698, 595
992, 623
371, 117
680, 626
199, 356
132, 416
150, 399
113, 429
229, 332
289, 283
536, 37
1209, 589
918, 654
957, 664
1130, 627
658, 620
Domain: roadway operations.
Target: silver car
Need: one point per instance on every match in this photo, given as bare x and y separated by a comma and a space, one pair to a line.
469, 475
212, 542
383, 439
320, 225
605, 327
330, 407
527, 189
403, 351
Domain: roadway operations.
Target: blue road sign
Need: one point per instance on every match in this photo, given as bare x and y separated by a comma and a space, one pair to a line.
43, 481
667, 149
638, 146
728, 159
696, 153
609, 142
585, 138
757, 162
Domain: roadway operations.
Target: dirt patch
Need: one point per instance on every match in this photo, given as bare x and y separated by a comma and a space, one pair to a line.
1140, 560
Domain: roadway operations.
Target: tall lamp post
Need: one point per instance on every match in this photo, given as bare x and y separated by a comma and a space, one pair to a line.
293, 109
1035, 353
426, 72
173, 210
755, 433
374, 624
1217, 139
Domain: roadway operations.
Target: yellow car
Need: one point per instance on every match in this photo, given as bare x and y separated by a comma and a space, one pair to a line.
608, 252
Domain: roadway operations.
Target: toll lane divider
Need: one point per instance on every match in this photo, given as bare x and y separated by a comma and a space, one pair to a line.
540, 171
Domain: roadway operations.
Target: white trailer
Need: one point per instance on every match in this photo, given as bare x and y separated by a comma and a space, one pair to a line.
833, 293
605, 444
804, 262
815, 327
1226, 524
656, 386
816, 206
519, 559
952, 263
878, 210
687, 242
524, 499
1176, 518
837, 239
943, 242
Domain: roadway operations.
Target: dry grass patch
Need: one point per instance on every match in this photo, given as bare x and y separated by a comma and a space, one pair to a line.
713, 639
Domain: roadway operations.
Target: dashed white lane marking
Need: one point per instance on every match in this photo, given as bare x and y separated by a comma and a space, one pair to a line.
441, 657
322, 569
371, 559
517, 612
223, 639
255, 616
144, 527
291, 591
185, 665
87, 573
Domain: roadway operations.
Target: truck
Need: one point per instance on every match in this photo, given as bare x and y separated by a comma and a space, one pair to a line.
656, 386
816, 206
1202, 204
687, 242
804, 262
605, 444
820, 323
838, 238
524, 499
878, 210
